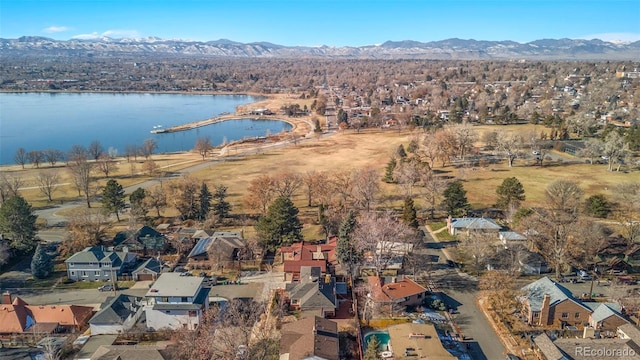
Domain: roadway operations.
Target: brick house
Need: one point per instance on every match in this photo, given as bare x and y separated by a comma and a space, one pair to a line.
394, 294
302, 254
549, 304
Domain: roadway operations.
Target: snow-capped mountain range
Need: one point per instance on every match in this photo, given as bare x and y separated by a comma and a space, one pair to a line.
544, 49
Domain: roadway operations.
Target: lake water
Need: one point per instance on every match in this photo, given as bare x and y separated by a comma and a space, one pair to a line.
41, 121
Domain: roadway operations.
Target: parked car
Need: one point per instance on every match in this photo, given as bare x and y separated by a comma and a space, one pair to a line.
106, 287
583, 275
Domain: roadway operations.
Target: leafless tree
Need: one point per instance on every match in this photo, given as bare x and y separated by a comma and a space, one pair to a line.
478, 247
509, 145
10, 185
498, 287
260, 193
408, 174
614, 148
287, 183
429, 150
366, 186
465, 136
20, 157
342, 184
131, 151
148, 147
223, 332
106, 165
379, 235
592, 149
35, 157
204, 146
81, 172
432, 189
316, 185
86, 227
95, 150
150, 167
52, 156
552, 228
627, 211
47, 181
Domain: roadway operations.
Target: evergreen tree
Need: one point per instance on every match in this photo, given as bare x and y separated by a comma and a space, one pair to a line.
316, 126
400, 152
346, 251
455, 199
372, 349
280, 226
510, 193
113, 198
41, 263
388, 172
138, 206
18, 223
409, 214
221, 206
204, 200
598, 206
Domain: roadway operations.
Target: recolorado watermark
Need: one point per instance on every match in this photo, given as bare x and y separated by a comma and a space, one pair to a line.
616, 353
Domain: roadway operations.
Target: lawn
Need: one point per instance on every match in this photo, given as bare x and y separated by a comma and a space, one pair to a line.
350, 150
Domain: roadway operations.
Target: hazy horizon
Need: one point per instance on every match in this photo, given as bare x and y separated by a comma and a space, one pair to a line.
318, 23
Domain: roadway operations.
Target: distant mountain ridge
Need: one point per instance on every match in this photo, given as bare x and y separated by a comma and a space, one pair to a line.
543, 49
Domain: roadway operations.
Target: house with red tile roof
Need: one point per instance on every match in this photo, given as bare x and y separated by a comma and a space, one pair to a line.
393, 294
303, 253
16, 316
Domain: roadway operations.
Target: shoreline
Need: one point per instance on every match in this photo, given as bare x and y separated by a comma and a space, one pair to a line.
241, 112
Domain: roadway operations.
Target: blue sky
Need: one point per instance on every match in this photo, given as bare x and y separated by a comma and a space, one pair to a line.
329, 22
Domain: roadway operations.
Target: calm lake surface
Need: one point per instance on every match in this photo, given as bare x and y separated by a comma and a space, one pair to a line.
41, 121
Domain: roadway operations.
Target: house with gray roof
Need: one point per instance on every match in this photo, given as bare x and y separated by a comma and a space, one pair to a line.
466, 225
606, 316
314, 294
220, 248
176, 302
117, 315
144, 241
148, 270
99, 264
548, 303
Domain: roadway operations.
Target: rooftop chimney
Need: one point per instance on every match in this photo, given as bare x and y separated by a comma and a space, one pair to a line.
6, 298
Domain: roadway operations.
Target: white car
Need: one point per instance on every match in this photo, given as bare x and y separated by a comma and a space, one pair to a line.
583, 275
535, 152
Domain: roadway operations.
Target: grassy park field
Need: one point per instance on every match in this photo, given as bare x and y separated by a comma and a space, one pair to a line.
341, 152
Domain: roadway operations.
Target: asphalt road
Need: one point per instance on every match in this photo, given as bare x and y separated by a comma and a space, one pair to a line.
89, 297
459, 292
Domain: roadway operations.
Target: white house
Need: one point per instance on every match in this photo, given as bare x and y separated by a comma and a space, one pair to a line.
117, 315
176, 302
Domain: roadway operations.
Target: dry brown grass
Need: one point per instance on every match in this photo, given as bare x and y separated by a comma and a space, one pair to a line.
350, 150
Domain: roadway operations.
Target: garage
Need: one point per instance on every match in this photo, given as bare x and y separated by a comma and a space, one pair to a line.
145, 277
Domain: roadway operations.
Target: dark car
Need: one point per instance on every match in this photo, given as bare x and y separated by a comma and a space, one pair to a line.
451, 263
512, 357
106, 287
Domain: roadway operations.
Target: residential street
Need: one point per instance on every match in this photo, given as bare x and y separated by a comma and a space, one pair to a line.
459, 293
